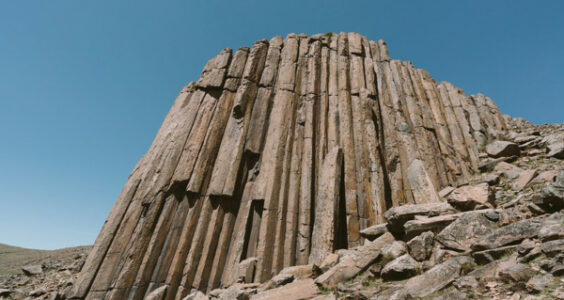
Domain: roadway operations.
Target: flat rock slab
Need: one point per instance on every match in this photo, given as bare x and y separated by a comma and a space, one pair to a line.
502, 149
436, 278
509, 234
398, 215
32, 270
374, 231
301, 289
472, 196
469, 227
435, 224
524, 179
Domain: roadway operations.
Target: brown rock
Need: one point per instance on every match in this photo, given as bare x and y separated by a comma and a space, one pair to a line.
355, 262
436, 278
502, 149
300, 289
400, 268
421, 247
471, 197
469, 227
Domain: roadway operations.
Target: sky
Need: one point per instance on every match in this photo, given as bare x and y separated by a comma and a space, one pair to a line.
85, 85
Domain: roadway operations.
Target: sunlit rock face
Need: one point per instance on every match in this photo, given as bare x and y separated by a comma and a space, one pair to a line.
278, 155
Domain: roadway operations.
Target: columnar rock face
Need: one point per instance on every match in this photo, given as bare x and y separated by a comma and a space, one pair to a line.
278, 155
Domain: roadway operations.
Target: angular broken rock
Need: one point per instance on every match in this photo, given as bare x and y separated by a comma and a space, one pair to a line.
556, 150
502, 149
400, 268
421, 246
553, 195
517, 272
470, 197
374, 231
469, 227
394, 250
421, 224
300, 289
398, 215
437, 277
509, 234
32, 270
524, 179
355, 262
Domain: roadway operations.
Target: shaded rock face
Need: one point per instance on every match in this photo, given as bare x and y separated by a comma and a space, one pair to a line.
290, 137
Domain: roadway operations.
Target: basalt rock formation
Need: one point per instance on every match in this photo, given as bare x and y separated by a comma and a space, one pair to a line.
279, 155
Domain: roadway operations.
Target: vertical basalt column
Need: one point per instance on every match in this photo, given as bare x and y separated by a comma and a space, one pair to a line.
278, 155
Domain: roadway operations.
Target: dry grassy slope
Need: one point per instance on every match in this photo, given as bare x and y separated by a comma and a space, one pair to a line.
13, 258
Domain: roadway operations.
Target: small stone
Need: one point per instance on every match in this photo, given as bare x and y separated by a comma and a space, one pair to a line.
502, 149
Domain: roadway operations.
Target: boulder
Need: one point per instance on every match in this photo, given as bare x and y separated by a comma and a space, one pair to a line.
395, 250
31, 270
470, 197
299, 289
556, 150
516, 272
509, 234
374, 231
437, 277
552, 247
469, 227
539, 282
400, 268
553, 227
502, 149
356, 261
553, 195
421, 247
398, 215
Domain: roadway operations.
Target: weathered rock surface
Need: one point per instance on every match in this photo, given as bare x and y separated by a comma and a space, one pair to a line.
299, 151
502, 149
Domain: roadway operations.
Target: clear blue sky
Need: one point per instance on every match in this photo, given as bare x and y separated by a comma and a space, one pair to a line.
85, 85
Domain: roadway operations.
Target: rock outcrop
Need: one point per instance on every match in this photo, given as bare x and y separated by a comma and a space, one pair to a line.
281, 154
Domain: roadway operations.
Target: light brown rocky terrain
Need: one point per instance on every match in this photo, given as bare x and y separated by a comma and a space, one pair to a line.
38, 274
317, 167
